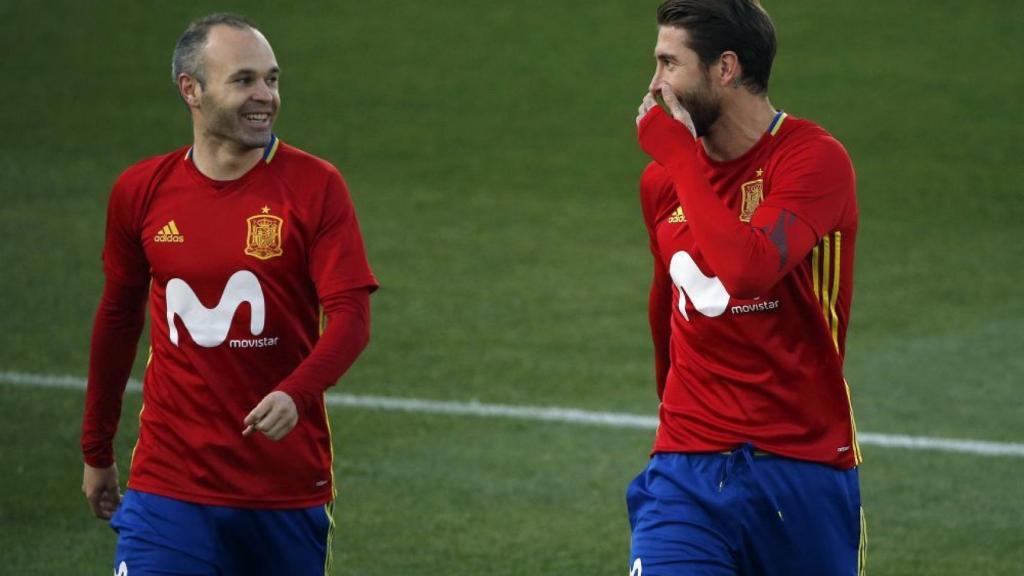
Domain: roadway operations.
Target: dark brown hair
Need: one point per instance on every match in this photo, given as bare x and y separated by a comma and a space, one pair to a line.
716, 26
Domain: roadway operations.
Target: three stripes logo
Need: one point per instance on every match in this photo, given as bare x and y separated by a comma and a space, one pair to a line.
677, 217
169, 233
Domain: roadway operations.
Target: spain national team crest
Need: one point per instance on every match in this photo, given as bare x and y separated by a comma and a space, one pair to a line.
753, 193
263, 240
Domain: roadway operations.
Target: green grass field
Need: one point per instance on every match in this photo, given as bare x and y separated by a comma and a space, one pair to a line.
491, 154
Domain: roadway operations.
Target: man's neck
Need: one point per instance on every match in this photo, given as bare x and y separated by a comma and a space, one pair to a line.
743, 122
220, 159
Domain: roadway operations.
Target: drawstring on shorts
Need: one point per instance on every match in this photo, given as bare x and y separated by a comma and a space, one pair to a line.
747, 452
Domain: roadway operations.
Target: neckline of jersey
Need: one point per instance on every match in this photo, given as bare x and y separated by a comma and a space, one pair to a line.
269, 151
771, 132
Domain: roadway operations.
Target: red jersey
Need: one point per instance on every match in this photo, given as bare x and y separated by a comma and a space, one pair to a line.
237, 272
763, 367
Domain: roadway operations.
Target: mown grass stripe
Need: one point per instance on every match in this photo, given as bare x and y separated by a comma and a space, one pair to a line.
550, 414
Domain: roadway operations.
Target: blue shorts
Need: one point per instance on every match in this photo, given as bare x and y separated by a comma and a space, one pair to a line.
160, 535
744, 513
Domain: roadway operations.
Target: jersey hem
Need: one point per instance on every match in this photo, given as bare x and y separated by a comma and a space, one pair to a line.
844, 463
220, 500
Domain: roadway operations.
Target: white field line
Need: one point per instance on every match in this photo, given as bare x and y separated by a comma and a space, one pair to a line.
549, 414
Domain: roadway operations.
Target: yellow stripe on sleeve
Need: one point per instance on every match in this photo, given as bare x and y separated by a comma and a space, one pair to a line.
826, 257
835, 291
815, 270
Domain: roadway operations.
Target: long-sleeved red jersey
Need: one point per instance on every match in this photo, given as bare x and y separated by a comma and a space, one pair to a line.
239, 275
753, 281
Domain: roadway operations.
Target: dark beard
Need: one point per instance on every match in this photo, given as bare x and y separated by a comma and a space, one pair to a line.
703, 107
227, 124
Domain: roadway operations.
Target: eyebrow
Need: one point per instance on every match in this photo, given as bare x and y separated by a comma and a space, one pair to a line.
665, 57
250, 71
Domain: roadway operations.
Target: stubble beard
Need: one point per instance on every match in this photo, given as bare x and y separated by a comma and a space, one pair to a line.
227, 123
703, 106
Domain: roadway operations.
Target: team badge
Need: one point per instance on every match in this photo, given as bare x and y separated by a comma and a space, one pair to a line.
753, 193
263, 239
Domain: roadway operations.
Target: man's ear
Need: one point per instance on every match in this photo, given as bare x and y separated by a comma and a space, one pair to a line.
730, 71
190, 89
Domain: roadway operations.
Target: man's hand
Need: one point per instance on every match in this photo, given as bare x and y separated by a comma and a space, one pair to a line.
669, 103
645, 107
274, 416
101, 490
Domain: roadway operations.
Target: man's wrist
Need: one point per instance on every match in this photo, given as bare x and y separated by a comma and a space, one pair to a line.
666, 140
102, 461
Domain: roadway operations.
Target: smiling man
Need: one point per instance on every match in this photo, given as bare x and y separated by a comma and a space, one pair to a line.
244, 247
752, 218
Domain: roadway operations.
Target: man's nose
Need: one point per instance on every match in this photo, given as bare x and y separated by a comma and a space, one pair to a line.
263, 92
655, 82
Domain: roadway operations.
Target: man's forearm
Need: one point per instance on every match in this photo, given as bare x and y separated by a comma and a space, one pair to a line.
346, 335
748, 260
118, 324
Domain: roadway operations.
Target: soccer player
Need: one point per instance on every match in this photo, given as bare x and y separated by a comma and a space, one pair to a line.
752, 218
244, 247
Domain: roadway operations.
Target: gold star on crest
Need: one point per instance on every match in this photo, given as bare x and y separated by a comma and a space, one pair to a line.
266, 209
759, 172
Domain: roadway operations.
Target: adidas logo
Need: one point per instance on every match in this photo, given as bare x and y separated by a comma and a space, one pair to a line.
677, 216
169, 233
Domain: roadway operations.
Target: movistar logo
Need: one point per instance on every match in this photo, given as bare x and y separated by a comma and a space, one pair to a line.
757, 306
209, 327
707, 293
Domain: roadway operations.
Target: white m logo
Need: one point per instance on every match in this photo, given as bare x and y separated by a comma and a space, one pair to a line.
707, 293
209, 327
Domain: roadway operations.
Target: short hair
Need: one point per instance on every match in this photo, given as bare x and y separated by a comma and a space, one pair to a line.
716, 26
188, 52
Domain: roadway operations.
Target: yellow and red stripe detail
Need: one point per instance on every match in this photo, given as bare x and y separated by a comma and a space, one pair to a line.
826, 266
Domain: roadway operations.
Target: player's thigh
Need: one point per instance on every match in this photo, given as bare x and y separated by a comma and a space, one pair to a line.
136, 557
274, 542
821, 530
158, 536
676, 531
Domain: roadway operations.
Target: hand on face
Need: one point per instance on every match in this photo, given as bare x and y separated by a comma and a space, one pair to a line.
672, 105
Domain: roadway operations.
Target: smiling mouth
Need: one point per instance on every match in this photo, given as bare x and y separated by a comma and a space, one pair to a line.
257, 117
